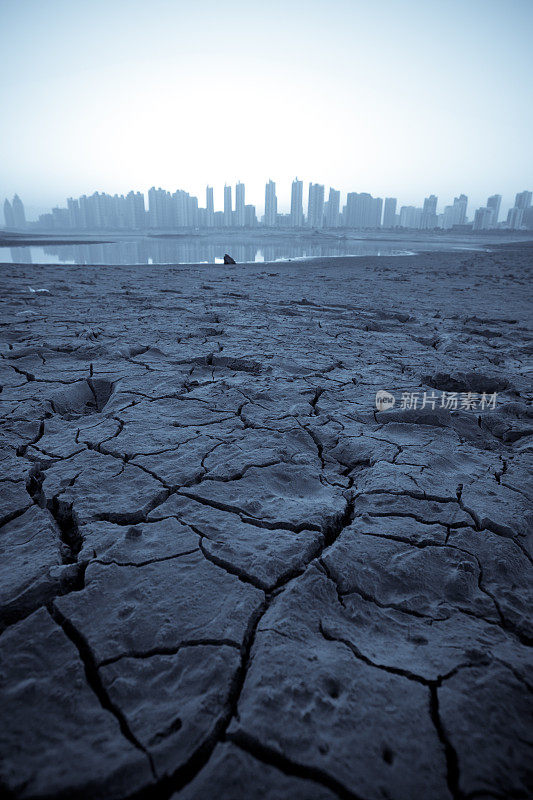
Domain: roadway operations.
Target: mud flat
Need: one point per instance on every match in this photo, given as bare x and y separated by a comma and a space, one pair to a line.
225, 573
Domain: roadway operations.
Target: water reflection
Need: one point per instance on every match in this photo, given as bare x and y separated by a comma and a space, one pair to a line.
189, 251
20, 255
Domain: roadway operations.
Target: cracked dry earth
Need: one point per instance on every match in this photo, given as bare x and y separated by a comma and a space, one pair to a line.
224, 574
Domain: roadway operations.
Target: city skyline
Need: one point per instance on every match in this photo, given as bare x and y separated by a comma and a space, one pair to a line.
165, 210
283, 196
401, 99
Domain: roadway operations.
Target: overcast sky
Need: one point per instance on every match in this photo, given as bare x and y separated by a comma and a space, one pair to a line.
398, 98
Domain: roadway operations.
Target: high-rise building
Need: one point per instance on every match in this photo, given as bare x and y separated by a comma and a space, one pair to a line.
514, 218
117, 211
522, 200
228, 207
448, 217
348, 212
377, 211
20, 217
429, 213
135, 211
297, 211
364, 205
527, 218
315, 207
60, 218
483, 219
184, 209
209, 207
460, 205
193, 211
494, 203
389, 213
85, 210
353, 216
179, 208
456, 214
74, 216
410, 217
250, 217
363, 210
8, 214
161, 209
239, 205
331, 209
271, 204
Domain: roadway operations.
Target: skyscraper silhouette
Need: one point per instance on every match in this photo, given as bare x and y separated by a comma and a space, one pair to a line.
271, 204
483, 219
389, 213
331, 209
209, 206
315, 207
18, 212
460, 205
228, 207
363, 210
494, 203
297, 211
239, 205
429, 212
522, 200
8, 214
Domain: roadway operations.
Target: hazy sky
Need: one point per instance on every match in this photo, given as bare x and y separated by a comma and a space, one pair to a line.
396, 97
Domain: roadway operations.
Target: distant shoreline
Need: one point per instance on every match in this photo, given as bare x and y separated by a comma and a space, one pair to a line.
40, 241
482, 238
430, 256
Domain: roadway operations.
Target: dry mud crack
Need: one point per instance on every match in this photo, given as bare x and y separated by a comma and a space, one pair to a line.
225, 573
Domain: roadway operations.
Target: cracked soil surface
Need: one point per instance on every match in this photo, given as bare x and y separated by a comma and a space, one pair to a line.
224, 573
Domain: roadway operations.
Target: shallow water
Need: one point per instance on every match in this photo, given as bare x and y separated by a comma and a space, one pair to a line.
145, 250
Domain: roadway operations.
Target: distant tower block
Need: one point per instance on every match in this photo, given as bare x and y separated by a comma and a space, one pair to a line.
297, 211
271, 204
18, 212
239, 205
228, 207
494, 203
8, 214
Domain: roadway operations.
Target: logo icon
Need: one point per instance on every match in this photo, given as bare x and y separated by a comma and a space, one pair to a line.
384, 400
